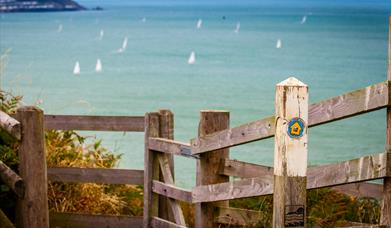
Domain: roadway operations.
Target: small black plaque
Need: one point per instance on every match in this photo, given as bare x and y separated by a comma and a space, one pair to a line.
294, 215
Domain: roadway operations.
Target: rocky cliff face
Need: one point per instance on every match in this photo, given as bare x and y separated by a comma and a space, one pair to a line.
38, 5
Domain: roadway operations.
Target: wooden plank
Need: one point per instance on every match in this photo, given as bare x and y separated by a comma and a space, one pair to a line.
208, 165
161, 223
171, 191
290, 154
96, 175
361, 101
361, 190
356, 170
168, 178
151, 169
94, 123
170, 147
166, 122
33, 209
237, 216
361, 169
243, 169
385, 215
249, 187
10, 125
73, 220
12, 180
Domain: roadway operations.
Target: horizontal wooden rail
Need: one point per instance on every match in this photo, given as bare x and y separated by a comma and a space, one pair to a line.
170, 147
357, 170
361, 101
58, 219
243, 169
161, 223
12, 180
10, 125
171, 191
362, 189
96, 175
237, 216
94, 123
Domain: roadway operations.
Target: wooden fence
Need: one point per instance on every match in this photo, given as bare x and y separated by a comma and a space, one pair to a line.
288, 180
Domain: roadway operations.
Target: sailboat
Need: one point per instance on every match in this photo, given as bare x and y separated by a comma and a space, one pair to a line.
303, 20
76, 69
98, 67
192, 58
237, 27
101, 34
199, 23
279, 43
124, 45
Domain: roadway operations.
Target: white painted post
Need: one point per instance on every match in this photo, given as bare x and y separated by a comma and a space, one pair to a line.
290, 154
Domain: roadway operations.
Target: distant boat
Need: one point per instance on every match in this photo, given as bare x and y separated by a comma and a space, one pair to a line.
192, 58
76, 69
59, 29
279, 43
124, 45
237, 27
98, 67
199, 23
303, 20
101, 34
143, 19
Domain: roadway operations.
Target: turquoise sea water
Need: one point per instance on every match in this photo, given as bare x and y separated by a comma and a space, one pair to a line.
341, 47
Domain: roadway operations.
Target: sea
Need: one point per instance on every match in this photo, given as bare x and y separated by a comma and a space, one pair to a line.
339, 47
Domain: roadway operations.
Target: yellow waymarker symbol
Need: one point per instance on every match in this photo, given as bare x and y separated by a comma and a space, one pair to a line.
295, 129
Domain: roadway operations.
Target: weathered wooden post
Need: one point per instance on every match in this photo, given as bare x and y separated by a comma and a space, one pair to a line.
208, 165
290, 154
33, 209
166, 123
385, 218
151, 169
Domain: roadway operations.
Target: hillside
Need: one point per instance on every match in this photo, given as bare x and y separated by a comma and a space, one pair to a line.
38, 5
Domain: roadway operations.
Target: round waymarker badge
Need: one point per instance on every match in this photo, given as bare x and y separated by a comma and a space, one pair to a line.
296, 128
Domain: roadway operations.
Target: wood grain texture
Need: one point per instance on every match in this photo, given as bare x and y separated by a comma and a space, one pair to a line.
170, 147
73, 220
249, 187
10, 125
237, 216
12, 180
168, 178
208, 165
361, 169
151, 169
243, 169
361, 190
171, 191
94, 123
161, 223
33, 209
357, 102
96, 175
385, 217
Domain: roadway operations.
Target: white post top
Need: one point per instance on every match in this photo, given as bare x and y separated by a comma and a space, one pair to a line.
292, 81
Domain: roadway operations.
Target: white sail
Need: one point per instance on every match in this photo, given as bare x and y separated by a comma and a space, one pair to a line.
237, 27
303, 20
59, 29
124, 45
101, 34
98, 67
76, 69
199, 23
192, 58
279, 43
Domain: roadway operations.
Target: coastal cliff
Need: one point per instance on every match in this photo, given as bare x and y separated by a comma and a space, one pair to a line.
38, 6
